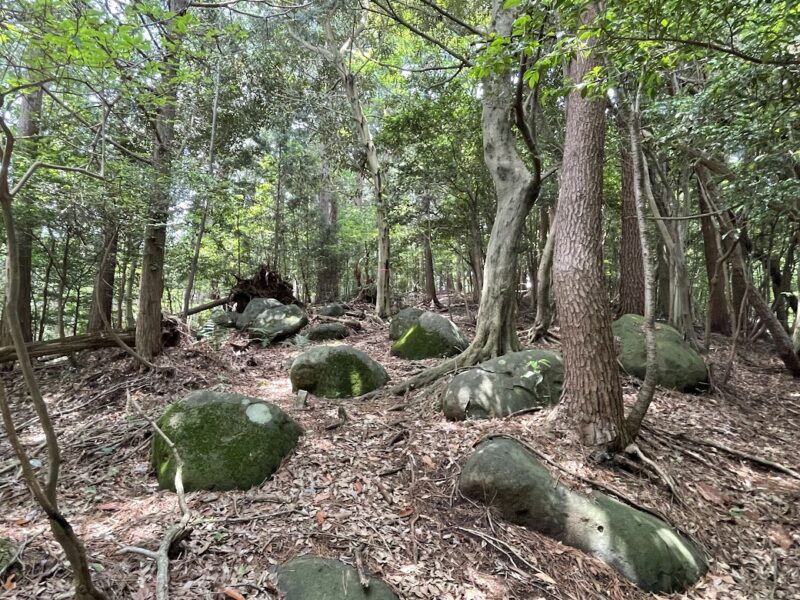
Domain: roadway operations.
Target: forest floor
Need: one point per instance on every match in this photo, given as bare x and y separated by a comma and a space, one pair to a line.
384, 484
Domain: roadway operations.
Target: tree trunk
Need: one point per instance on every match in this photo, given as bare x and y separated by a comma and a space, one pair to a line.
46, 290
198, 241
28, 127
425, 238
328, 264
719, 310
592, 396
631, 275
103, 300
544, 282
130, 320
151, 287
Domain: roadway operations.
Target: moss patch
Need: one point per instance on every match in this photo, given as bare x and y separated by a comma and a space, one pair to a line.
643, 548
403, 321
505, 385
430, 337
226, 441
336, 372
679, 366
315, 578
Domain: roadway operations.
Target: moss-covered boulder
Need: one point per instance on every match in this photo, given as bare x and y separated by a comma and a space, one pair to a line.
255, 307
225, 318
331, 310
679, 366
403, 321
336, 372
275, 324
431, 336
315, 578
642, 547
505, 385
8, 551
226, 441
327, 331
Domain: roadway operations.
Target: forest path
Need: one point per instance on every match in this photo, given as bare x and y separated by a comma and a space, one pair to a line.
385, 482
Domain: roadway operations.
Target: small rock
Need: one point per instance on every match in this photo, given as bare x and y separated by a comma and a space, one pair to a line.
336, 372
327, 331
315, 578
331, 310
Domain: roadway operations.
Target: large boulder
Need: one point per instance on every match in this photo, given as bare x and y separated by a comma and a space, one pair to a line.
679, 366
403, 321
275, 324
255, 307
336, 372
226, 441
505, 385
431, 336
315, 578
225, 318
327, 331
331, 310
642, 547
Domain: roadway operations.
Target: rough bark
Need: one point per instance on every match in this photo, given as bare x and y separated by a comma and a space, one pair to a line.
103, 297
592, 394
46, 289
28, 127
719, 310
151, 287
544, 279
631, 275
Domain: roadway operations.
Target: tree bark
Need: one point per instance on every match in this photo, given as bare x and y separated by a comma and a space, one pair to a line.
151, 287
46, 289
631, 275
719, 310
328, 264
28, 127
592, 394
544, 281
104, 281
425, 238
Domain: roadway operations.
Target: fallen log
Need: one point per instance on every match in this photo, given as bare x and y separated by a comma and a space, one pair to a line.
208, 306
355, 325
68, 345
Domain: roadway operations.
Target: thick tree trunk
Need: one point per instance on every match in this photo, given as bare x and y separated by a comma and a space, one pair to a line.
151, 287
631, 275
103, 300
28, 127
592, 396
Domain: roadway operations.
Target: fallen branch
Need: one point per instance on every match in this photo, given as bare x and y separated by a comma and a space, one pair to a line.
764, 462
177, 532
355, 325
68, 345
362, 575
208, 306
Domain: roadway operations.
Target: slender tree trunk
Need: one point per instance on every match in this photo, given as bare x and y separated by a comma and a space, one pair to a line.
104, 281
46, 290
544, 282
592, 394
328, 264
198, 240
719, 310
646, 392
631, 275
427, 255
129, 317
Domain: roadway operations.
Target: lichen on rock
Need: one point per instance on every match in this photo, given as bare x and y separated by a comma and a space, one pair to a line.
336, 372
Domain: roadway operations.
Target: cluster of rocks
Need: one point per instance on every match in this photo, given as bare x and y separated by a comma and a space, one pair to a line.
265, 319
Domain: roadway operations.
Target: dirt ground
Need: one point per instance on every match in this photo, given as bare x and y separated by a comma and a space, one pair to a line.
384, 484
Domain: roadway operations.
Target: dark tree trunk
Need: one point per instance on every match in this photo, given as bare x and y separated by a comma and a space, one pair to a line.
328, 265
29, 127
46, 291
151, 288
103, 297
719, 310
425, 238
592, 396
631, 275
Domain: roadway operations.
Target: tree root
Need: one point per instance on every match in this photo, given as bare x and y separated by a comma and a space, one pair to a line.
177, 532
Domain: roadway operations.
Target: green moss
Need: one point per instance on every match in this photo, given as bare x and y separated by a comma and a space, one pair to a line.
314, 578
226, 441
403, 321
679, 366
336, 372
643, 548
